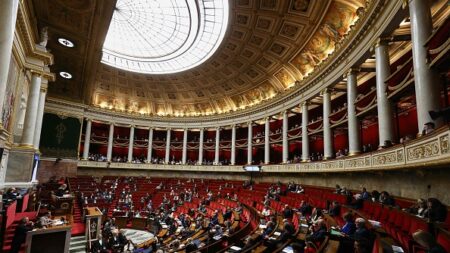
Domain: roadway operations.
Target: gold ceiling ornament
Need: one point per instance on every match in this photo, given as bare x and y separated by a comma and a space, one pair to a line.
249, 68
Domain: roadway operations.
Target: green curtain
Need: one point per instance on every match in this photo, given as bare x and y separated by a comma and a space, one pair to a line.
60, 136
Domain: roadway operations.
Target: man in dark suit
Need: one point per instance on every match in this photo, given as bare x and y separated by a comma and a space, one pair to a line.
288, 231
319, 232
116, 242
335, 209
100, 245
287, 212
20, 234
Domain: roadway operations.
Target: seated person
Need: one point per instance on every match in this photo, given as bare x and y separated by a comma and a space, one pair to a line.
215, 218
316, 215
349, 227
267, 231
427, 241
266, 212
287, 212
305, 208
190, 246
61, 190
99, 245
335, 209
45, 220
436, 211
361, 232
228, 213
419, 208
318, 232
117, 241
386, 199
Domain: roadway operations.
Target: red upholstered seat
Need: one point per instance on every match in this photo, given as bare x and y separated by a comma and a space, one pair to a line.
443, 238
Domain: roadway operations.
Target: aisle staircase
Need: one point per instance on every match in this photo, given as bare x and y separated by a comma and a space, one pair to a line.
78, 244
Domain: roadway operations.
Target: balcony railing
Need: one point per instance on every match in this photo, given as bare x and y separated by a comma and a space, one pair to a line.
427, 151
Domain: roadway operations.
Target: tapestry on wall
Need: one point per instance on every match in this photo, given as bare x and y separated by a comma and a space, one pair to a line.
60, 136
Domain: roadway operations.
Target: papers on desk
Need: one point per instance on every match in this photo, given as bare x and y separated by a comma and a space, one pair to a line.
57, 223
397, 249
262, 226
288, 249
217, 237
375, 224
236, 248
277, 233
304, 225
163, 225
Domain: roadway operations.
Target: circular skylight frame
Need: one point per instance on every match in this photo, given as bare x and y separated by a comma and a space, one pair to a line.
132, 43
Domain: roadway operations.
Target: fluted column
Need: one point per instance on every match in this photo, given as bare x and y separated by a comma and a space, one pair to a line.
32, 109
87, 139
167, 158
150, 145
110, 142
131, 144
426, 80
354, 136
40, 116
250, 143
233, 145
305, 138
285, 129
216, 151
384, 107
200, 147
267, 141
184, 154
8, 16
328, 151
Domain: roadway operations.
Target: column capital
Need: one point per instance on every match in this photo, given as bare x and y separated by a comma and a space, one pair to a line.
351, 71
88, 119
151, 128
304, 103
267, 118
325, 91
250, 123
381, 41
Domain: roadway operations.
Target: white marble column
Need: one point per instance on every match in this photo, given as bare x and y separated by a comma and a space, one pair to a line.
87, 139
216, 150
32, 109
110, 142
40, 116
250, 143
131, 145
328, 151
200, 146
305, 137
285, 154
267, 141
184, 153
354, 136
8, 16
384, 106
150, 145
233, 145
426, 80
167, 158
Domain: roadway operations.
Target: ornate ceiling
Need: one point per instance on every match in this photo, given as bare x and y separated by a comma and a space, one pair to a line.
269, 48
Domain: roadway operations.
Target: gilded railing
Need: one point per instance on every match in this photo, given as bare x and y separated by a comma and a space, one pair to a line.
426, 151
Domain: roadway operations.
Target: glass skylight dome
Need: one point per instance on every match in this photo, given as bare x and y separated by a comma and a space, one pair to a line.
164, 36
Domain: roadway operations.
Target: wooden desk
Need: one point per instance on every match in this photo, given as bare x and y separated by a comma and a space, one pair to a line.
54, 239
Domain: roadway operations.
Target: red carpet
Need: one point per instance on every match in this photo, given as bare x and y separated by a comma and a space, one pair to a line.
77, 229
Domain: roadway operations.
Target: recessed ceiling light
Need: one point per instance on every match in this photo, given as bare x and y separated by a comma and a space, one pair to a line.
65, 75
66, 42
